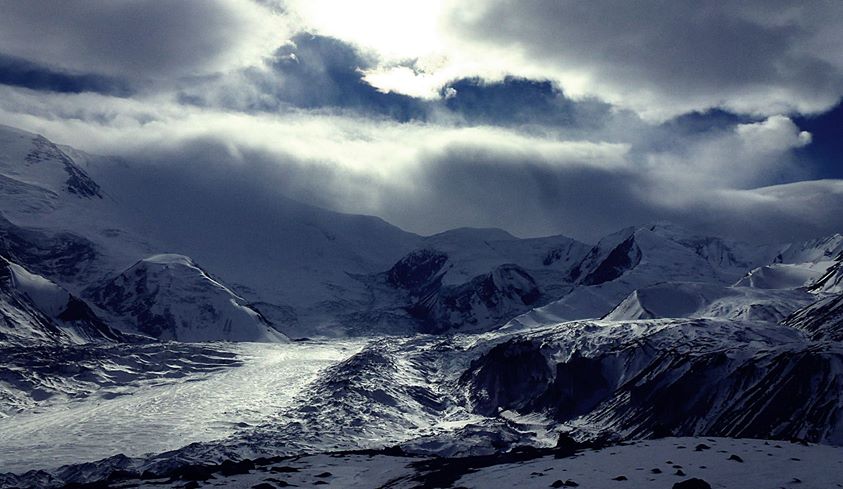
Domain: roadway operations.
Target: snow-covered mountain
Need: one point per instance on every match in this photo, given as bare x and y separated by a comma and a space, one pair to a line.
821, 320
663, 271
169, 297
35, 310
81, 221
307, 270
689, 377
704, 300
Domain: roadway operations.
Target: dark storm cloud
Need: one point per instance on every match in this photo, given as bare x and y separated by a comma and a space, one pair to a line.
318, 72
22, 73
463, 184
321, 71
141, 38
525, 193
698, 53
825, 153
247, 126
309, 72
521, 101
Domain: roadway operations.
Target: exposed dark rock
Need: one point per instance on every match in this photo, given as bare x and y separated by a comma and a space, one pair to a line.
230, 467
416, 270
692, 484
622, 258
193, 472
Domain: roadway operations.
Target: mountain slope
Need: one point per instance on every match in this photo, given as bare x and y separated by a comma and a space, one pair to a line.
701, 300
171, 298
36, 311
687, 377
639, 257
821, 320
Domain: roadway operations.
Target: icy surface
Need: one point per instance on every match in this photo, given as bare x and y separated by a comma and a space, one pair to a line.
167, 414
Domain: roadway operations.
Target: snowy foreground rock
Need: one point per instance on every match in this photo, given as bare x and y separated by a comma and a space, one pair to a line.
291, 345
679, 463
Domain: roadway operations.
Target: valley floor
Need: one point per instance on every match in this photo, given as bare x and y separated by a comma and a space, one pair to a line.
165, 414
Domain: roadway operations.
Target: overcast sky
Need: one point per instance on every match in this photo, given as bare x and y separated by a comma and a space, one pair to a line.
537, 116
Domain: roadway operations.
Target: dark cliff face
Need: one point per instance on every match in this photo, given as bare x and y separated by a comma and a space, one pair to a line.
417, 270
132, 295
80, 315
605, 262
493, 297
638, 389
624, 257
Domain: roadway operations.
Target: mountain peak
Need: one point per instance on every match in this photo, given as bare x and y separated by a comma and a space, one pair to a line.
169, 259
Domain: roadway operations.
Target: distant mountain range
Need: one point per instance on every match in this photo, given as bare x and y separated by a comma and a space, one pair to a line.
294, 270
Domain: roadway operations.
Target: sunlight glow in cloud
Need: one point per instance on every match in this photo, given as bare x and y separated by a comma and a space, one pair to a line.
583, 117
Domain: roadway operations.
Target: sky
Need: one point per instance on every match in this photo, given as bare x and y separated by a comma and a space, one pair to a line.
539, 117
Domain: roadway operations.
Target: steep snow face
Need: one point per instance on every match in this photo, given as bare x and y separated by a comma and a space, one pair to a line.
47, 296
36, 311
831, 281
669, 250
62, 257
821, 320
700, 300
36, 167
783, 276
171, 298
812, 251
805, 264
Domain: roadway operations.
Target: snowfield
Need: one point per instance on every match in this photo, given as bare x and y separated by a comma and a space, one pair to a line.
721, 463
165, 414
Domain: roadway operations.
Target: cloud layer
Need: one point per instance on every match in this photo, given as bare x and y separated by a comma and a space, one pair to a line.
139, 39
539, 117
